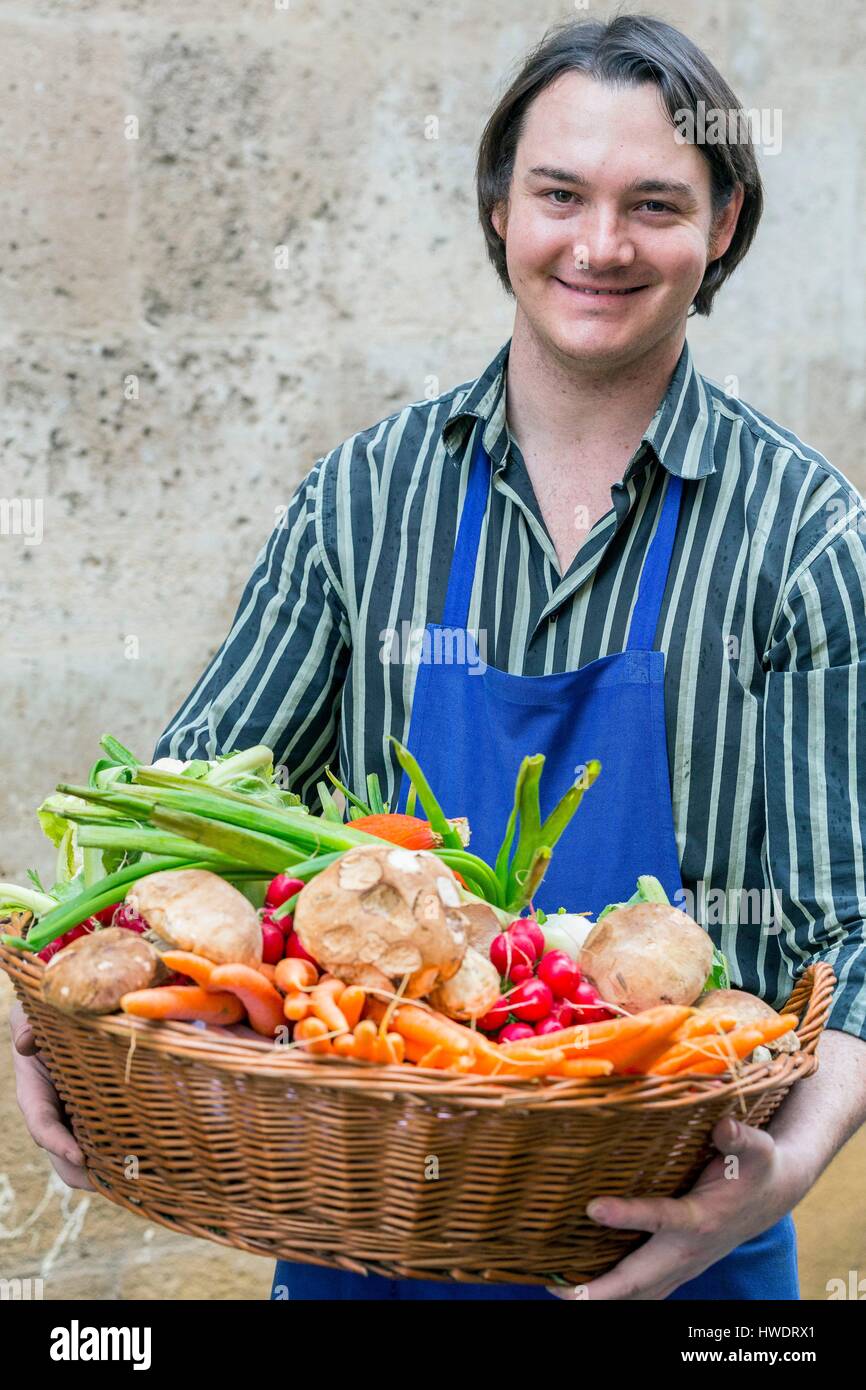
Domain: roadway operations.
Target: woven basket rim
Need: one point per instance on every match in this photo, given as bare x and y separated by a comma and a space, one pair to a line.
223, 1049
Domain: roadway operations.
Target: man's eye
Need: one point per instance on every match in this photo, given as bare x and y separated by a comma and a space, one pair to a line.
664, 207
564, 191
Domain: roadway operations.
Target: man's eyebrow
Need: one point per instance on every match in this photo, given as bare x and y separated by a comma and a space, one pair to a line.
544, 171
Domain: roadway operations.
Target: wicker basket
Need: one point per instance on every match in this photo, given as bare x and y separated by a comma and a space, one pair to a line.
397, 1171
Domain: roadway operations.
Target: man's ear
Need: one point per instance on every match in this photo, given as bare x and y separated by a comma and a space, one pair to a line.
723, 228
499, 218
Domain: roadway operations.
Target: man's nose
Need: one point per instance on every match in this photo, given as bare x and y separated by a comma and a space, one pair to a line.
603, 241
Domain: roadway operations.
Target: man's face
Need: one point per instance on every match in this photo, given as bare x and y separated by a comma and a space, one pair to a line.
599, 229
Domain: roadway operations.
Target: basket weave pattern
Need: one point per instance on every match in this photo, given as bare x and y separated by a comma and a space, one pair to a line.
403, 1172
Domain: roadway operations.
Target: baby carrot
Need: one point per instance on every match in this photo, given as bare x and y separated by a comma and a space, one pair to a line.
424, 1026
296, 1005
583, 1066
262, 1001
324, 1005
365, 1040
188, 963
310, 1032
351, 1003
293, 973
702, 1023
184, 1003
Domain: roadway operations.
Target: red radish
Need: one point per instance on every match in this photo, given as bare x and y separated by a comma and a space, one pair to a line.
51, 949
284, 923
83, 929
519, 973
106, 916
527, 926
293, 949
273, 943
531, 1001
495, 1017
548, 1025
281, 888
125, 917
587, 1006
513, 1032
560, 972
524, 943
507, 952
563, 1013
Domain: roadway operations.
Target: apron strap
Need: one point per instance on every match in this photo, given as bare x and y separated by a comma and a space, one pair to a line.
654, 576
456, 614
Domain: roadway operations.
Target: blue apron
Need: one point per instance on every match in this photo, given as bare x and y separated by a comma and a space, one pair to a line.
471, 726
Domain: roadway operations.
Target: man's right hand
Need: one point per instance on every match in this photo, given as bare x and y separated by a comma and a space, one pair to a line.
40, 1105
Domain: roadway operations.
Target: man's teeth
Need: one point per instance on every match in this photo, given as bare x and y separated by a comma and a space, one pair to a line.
580, 290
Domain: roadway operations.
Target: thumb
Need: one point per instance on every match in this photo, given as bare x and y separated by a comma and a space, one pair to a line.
22, 1034
730, 1136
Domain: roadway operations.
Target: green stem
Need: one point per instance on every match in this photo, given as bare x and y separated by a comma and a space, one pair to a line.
248, 846
37, 903
559, 818
374, 792
529, 814
116, 751
432, 809
149, 841
250, 760
351, 799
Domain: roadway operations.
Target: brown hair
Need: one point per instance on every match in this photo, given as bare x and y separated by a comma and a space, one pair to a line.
630, 49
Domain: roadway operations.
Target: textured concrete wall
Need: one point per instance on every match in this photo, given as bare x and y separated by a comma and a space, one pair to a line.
164, 384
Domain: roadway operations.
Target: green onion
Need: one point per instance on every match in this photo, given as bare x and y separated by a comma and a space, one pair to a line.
432, 809
264, 851
148, 841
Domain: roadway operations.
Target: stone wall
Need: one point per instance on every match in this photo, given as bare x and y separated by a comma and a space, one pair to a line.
164, 384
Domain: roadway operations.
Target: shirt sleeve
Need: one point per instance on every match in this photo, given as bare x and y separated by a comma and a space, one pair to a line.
278, 677
814, 743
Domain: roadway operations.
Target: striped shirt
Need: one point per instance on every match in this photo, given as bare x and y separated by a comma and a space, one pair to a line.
763, 626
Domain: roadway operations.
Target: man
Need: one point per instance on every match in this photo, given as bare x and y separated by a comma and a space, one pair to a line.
704, 636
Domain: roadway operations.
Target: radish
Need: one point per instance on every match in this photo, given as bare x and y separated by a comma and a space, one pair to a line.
293, 949
281, 888
513, 1032
548, 1025
494, 1019
273, 943
283, 923
560, 972
531, 1001
527, 926
127, 917
507, 952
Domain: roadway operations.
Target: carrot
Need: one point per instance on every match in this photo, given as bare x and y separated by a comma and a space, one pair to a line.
425, 1026
269, 971
637, 1054
701, 1023
293, 973
589, 1039
438, 1058
323, 1003
188, 963
262, 1001
723, 1050
537, 1062
185, 1003
311, 1031
583, 1066
390, 1048
365, 1040
351, 1003
296, 1005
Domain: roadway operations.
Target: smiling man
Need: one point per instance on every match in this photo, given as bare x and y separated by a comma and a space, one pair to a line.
662, 578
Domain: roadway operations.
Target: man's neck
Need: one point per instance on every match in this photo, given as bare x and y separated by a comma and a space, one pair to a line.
562, 410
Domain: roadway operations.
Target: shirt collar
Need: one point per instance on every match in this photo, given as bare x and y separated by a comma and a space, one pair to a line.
680, 433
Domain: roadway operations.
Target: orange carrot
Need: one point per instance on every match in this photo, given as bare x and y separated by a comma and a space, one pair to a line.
188, 963
637, 1054
323, 1003
365, 1040
583, 1066
425, 1026
438, 1058
185, 1003
310, 1031
536, 1062
269, 971
390, 1048
589, 1039
296, 1005
351, 1003
701, 1023
293, 973
736, 1044
344, 1044
262, 1001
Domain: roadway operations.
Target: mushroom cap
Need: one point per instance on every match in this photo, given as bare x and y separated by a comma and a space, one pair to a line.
384, 909
92, 973
196, 910
472, 992
645, 955
745, 1007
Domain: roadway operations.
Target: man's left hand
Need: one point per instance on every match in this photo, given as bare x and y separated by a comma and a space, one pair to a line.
753, 1183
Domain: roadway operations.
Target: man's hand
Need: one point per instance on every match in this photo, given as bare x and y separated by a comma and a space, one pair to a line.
40, 1105
693, 1232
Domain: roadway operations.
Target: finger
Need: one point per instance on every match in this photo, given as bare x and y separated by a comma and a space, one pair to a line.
73, 1174
730, 1136
649, 1213
650, 1273
41, 1109
22, 1034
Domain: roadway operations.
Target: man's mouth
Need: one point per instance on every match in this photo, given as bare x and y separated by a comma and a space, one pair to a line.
602, 291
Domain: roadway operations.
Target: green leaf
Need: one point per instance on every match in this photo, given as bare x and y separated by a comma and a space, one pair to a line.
720, 975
